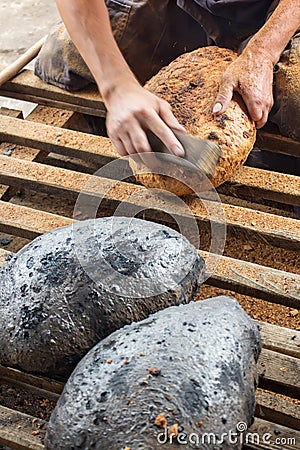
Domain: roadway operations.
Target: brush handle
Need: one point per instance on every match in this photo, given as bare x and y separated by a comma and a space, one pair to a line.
13, 69
163, 153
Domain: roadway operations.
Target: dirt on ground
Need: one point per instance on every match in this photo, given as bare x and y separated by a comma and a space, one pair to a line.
22, 24
26, 402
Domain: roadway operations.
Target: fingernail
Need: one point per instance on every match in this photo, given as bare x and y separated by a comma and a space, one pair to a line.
177, 150
217, 108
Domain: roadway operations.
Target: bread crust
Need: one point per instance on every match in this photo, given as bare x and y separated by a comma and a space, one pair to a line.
190, 85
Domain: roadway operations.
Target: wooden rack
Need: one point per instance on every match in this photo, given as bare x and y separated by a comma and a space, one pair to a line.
25, 164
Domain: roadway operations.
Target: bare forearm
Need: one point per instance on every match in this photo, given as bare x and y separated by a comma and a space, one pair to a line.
88, 24
274, 36
131, 109
251, 74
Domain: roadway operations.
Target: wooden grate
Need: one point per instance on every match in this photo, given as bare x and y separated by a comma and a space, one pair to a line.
24, 165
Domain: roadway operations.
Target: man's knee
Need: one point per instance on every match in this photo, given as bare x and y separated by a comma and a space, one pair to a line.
59, 62
136, 26
286, 111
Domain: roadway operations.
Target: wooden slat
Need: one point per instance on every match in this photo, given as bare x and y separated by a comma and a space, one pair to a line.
280, 339
41, 114
277, 409
272, 229
280, 373
56, 140
28, 388
257, 183
27, 222
16, 430
247, 181
7, 149
257, 225
269, 406
9, 112
26, 86
288, 439
46, 384
258, 281
277, 143
241, 276
22, 438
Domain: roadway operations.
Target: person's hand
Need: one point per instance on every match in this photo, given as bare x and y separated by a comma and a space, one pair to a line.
132, 110
251, 74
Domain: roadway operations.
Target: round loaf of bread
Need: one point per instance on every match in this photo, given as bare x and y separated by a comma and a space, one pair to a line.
190, 84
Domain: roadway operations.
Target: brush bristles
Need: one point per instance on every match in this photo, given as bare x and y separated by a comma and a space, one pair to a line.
199, 153
204, 154
208, 158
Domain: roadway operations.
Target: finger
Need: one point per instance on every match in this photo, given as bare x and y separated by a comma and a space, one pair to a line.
128, 149
127, 143
168, 117
119, 146
224, 96
255, 107
263, 120
165, 134
141, 146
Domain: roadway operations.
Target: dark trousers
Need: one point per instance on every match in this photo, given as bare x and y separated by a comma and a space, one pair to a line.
151, 33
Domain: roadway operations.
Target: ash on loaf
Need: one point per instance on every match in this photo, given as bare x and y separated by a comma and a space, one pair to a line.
206, 353
70, 288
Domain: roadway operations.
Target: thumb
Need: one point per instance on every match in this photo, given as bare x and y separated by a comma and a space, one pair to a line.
224, 96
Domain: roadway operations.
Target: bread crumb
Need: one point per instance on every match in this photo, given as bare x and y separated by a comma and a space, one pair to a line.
173, 430
154, 371
161, 421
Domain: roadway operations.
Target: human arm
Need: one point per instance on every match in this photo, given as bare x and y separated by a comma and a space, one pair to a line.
131, 108
251, 74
